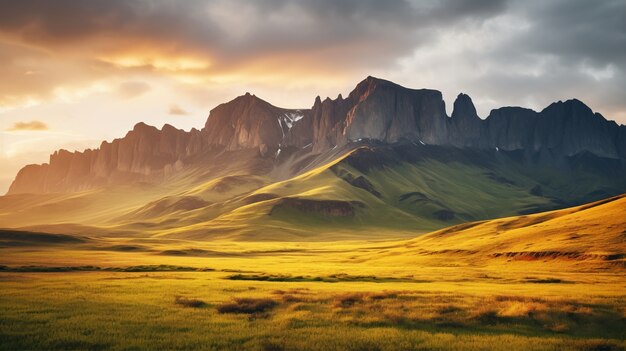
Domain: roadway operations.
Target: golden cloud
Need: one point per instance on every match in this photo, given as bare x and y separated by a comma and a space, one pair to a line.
30, 126
177, 110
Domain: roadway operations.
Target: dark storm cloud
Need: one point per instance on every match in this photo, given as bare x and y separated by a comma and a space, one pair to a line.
104, 24
237, 31
592, 29
570, 47
595, 30
63, 20
577, 48
469, 10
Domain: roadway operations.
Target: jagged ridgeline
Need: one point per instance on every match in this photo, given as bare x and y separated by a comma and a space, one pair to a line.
385, 160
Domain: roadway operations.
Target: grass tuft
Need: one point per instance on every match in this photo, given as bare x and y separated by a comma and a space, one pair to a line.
247, 305
187, 302
348, 300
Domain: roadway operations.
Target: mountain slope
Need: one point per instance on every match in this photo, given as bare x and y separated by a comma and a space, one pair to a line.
588, 236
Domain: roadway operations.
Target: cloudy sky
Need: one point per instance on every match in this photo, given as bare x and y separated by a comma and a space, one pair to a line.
76, 72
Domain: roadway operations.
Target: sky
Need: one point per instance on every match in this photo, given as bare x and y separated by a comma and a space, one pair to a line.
74, 73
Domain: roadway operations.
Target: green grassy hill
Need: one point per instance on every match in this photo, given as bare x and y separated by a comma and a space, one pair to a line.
363, 191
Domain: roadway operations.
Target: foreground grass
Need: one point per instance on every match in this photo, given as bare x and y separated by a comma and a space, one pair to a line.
206, 310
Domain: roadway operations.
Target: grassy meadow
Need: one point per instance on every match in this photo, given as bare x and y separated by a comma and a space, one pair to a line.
302, 296
547, 281
207, 310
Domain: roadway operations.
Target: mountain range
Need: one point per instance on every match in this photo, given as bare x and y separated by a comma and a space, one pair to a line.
384, 157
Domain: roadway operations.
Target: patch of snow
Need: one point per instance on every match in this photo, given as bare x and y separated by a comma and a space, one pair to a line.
282, 128
497, 148
288, 119
296, 116
421, 142
278, 152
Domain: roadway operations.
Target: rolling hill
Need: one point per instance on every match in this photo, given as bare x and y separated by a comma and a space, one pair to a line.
591, 237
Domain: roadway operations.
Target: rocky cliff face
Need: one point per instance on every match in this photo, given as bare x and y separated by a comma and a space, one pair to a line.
375, 109
327, 118
387, 112
579, 129
249, 122
564, 128
465, 127
621, 143
510, 128
384, 111
145, 151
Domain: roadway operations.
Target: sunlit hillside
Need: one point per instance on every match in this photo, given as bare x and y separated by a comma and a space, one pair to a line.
361, 191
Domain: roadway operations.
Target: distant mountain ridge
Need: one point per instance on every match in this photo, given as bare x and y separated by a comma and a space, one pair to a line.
376, 110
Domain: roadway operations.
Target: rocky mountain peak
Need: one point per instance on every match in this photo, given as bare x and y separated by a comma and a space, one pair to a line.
141, 126
386, 111
571, 106
464, 107
249, 122
369, 85
465, 127
572, 127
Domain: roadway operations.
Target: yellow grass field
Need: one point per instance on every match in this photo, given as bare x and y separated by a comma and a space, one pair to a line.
550, 281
